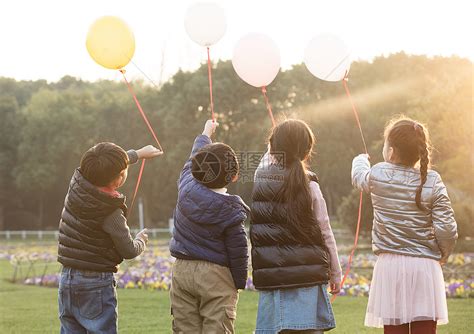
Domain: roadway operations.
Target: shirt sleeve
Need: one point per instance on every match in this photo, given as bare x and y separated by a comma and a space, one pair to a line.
132, 157
444, 223
360, 172
237, 250
116, 226
322, 217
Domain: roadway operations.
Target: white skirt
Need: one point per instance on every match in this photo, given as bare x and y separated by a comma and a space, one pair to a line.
406, 289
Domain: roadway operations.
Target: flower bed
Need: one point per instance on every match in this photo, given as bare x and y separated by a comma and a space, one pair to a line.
152, 271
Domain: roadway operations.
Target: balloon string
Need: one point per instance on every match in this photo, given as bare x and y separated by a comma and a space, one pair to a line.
209, 74
140, 173
144, 74
130, 89
356, 239
359, 218
354, 110
142, 167
267, 103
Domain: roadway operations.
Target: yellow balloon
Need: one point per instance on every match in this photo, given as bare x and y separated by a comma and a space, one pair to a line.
110, 42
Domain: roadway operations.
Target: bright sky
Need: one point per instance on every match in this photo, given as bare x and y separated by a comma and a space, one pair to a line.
46, 39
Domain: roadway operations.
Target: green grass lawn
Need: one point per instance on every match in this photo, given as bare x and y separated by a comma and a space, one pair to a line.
28, 309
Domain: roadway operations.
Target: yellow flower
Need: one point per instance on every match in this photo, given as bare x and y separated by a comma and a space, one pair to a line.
458, 259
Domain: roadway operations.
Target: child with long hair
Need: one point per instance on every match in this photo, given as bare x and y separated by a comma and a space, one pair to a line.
294, 253
413, 233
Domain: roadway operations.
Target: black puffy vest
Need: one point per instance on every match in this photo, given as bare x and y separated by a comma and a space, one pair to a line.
83, 244
280, 258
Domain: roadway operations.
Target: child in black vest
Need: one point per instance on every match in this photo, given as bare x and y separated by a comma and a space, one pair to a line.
294, 253
94, 238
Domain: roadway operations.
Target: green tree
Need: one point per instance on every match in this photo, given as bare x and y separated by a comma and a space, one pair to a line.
9, 140
45, 128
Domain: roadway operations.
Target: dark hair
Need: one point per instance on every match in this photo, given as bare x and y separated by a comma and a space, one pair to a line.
215, 165
103, 163
411, 143
295, 140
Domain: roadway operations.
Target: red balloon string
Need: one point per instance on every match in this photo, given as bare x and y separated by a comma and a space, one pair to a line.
356, 240
130, 89
359, 218
140, 173
209, 74
147, 122
354, 110
267, 103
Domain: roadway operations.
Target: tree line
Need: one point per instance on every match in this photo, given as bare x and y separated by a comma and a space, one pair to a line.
45, 128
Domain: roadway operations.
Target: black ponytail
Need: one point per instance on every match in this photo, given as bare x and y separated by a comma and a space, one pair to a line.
295, 140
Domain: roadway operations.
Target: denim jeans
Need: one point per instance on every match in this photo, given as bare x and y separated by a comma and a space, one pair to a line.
87, 302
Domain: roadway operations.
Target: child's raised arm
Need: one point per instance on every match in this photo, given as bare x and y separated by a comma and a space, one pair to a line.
360, 172
444, 224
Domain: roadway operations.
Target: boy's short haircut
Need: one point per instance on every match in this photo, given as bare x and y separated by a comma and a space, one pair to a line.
215, 165
103, 163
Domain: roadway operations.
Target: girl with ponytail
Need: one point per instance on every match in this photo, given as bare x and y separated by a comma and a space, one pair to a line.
294, 254
413, 233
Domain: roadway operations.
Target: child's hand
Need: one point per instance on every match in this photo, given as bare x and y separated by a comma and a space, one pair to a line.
365, 155
335, 288
210, 128
148, 152
143, 235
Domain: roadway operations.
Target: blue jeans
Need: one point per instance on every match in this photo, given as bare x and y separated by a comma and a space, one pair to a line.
87, 302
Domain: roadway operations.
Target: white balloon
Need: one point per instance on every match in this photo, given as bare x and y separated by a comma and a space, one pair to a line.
328, 57
205, 23
256, 59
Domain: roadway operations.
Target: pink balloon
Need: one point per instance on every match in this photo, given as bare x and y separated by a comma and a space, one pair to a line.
256, 59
